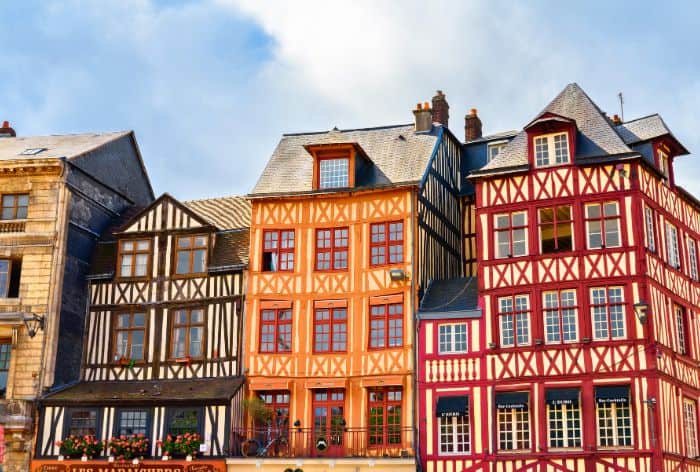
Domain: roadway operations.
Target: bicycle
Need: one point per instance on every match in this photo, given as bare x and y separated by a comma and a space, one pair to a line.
274, 446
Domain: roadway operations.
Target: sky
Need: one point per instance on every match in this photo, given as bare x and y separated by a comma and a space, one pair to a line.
209, 86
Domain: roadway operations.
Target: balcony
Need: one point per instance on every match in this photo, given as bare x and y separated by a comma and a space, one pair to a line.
375, 442
12, 226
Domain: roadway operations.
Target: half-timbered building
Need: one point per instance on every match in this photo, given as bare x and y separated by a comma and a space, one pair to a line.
347, 227
588, 283
162, 351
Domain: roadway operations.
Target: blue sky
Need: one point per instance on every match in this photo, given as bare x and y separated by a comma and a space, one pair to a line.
209, 86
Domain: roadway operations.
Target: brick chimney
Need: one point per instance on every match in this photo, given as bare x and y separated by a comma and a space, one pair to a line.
6, 131
424, 117
441, 109
472, 126
616, 120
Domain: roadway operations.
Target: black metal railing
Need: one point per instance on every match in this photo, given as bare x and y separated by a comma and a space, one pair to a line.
334, 442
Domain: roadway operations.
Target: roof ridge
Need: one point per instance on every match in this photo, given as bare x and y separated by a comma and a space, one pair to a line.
226, 197
371, 128
640, 118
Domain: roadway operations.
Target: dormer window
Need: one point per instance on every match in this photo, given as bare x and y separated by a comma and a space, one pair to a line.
551, 149
663, 164
494, 149
334, 172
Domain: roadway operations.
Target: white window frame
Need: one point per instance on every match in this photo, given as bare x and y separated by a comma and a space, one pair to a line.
558, 311
605, 303
690, 426
682, 335
333, 180
692, 258
517, 308
548, 143
494, 146
650, 226
453, 424
664, 164
672, 250
513, 419
569, 414
614, 415
447, 337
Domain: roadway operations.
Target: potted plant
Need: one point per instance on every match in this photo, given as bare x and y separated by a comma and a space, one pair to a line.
134, 446
183, 445
167, 447
260, 413
74, 447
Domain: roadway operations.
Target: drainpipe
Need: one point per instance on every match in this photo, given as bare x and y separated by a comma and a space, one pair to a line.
414, 295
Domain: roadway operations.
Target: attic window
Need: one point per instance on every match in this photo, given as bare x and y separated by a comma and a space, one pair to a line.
32, 151
334, 173
551, 149
494, 149
663, 163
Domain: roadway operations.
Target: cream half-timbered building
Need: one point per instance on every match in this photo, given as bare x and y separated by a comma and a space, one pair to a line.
162, 351
587, 274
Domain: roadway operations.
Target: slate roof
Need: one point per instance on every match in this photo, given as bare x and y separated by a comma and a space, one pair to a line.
495, 136
646, 128
67, 145
398, 152
596, 134
450, 295
223, 212
231, 249
147, 392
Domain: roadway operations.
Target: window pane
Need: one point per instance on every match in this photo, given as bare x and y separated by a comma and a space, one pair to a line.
198, 264
183, 262
333, 173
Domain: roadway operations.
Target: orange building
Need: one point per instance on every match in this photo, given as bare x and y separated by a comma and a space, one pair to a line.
347, 226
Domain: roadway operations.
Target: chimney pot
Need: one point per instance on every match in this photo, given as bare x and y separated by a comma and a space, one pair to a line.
472, 126
441, 109
426, 106
6, 131
423, 117
616, 119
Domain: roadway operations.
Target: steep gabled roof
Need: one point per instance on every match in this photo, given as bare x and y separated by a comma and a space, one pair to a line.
644, 129
56, 146
223, 212
399, 154
596, 135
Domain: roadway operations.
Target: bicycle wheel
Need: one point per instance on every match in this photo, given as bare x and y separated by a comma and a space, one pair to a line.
250, 447
282, 447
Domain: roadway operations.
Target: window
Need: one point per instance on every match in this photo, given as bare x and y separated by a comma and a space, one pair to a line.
452, 338
494, 149
334, 173
278, 251
672, 246
693, 259
134, 257
663, 164
130, 336
132, 422
329, 410
278, 403
184, 420
276, 330
603, 225
608, 313
514, 320
81, 422
332, 249
564, 417
191, 254
14, 206
511, 234
32, 151
650, 225
513, 420
187, 334
681, 328
10, 270
330, 330
613, 415
5, 356
559, 143
454, 435
556, 233
560, 321
386, 239
386, 325
690, 425
384, 416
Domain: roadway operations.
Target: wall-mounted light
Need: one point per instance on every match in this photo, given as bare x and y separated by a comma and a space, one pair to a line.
33, 323
397, 275
620, 169
492, 345
641, 309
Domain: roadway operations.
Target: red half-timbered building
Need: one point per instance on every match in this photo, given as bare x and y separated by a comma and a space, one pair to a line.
588, 338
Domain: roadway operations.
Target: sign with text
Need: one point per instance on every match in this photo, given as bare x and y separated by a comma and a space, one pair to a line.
146, 466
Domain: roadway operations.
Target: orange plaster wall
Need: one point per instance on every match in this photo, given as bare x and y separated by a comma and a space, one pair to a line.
359, 368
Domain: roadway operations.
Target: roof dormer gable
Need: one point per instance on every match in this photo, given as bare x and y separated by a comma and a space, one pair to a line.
337, 165
551, 140
165, 213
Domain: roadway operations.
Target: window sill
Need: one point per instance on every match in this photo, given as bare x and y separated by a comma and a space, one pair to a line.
192, 275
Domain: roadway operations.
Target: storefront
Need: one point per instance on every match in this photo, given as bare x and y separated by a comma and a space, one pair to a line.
143, 466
